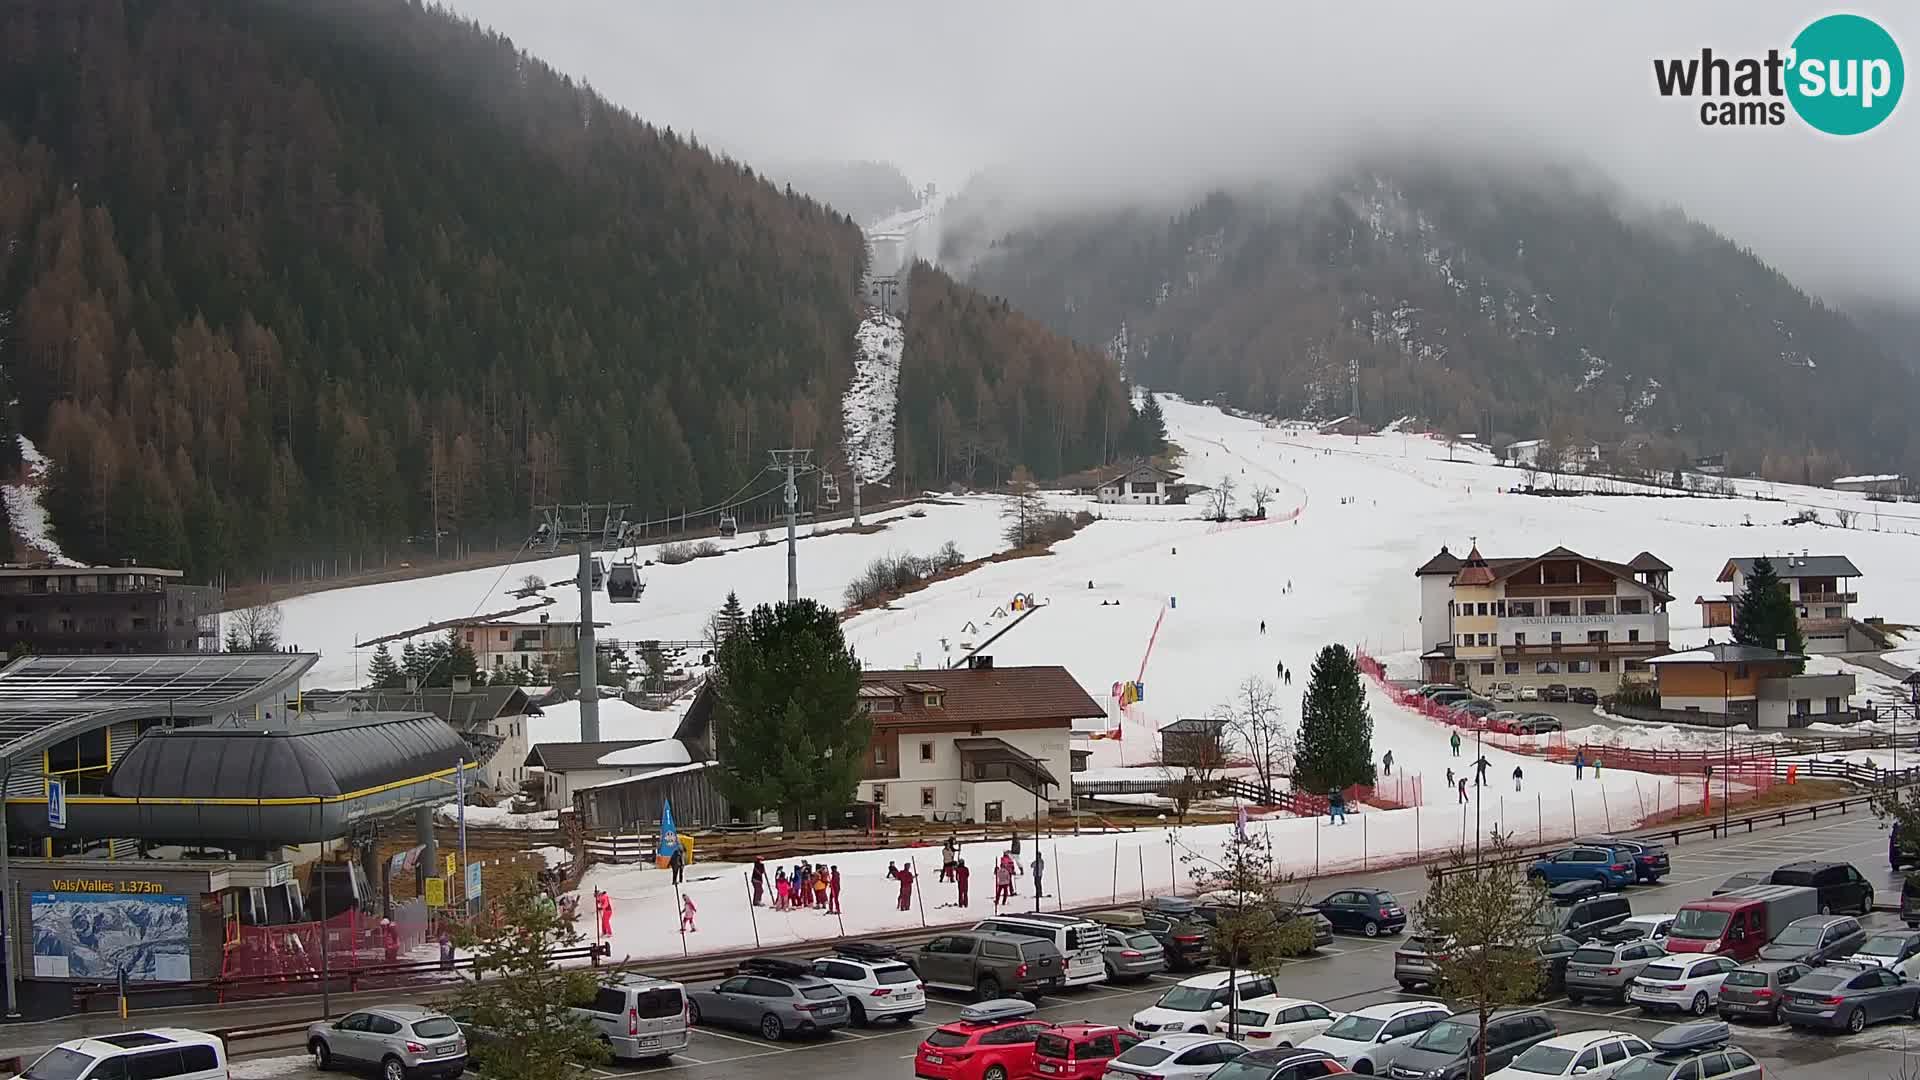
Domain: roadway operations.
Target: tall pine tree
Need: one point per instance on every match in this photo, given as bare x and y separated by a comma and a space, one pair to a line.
1147, 431
1335, 748
383, 673
785, 718
1763, 613
728, 619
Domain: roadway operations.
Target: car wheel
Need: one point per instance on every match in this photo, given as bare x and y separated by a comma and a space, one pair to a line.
1574, 999
1372, 929
986, 989
1363, 1067
856, 1015
1857, 1021
1408, 987
1699, 1007
393, 1069
322, 1057
994, 1072
1826, 909
770, 1028
693, 1011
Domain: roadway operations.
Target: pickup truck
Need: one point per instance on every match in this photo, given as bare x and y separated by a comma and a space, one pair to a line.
989, 964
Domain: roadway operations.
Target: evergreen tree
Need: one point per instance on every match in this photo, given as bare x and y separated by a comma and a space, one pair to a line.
413, 664
1336, 731
521, 995
382, 672
790, 736
1147, 433
1763, 613
727, 619
1257, 924
654, 665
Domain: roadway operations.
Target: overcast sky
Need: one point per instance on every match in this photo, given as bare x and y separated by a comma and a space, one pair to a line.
1117, 98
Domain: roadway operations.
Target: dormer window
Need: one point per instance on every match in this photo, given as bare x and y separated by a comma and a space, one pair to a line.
935, 701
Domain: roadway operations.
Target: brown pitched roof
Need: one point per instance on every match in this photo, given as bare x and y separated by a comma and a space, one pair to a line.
1506, 568
1444, 563
1647, 560
1047, 696
1475, 572
566, 756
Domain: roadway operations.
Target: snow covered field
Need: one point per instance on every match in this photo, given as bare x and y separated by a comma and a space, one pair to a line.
873, 395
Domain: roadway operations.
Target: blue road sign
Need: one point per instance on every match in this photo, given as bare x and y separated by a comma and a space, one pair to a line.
56, 804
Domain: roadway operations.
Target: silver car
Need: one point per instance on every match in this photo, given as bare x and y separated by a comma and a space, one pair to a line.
402, 1041
1133, 954
774, 997
1601, 970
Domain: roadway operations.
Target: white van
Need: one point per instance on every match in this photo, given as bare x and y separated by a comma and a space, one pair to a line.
154, 1054
1082, 942
639, 1016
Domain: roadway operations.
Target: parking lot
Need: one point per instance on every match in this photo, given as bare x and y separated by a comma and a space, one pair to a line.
1351, 973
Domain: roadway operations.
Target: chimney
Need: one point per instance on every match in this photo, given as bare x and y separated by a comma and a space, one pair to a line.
462, 684
1780, 645
980, 663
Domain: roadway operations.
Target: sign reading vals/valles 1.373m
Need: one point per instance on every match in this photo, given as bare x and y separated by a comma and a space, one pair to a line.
100, 885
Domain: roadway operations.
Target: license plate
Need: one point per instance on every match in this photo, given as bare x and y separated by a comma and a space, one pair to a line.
936, 1059
1047, 1068
650, 1041
1584, 972
445, 1051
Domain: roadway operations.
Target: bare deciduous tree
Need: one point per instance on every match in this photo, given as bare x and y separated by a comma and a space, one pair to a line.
1487, 915
1256, 723
1845, 518
533, 583
1221, 498
253, 629
1261, 495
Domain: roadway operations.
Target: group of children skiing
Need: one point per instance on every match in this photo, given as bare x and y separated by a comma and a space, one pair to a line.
808, 886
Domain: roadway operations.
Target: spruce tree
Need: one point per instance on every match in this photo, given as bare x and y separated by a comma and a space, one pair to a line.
1148, 432
728, 618
1335, 747
1763, 613
413, 664
383, 673
785, 717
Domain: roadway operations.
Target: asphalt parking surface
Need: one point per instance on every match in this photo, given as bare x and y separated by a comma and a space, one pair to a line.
1351, 973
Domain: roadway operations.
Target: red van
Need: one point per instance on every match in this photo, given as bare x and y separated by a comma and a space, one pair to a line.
1738, 923
1080, 1050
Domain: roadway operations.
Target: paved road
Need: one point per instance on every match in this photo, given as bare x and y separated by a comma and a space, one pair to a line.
1351, 973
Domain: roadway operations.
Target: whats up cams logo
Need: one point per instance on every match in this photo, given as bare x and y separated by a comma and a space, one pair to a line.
1842, 75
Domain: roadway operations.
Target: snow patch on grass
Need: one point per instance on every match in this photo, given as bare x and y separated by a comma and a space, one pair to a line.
26, 514
873, 394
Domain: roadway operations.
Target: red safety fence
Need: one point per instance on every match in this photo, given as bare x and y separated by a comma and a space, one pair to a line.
350, 939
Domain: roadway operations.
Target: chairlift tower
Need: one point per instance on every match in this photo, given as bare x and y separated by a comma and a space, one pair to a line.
600, 524
793, 463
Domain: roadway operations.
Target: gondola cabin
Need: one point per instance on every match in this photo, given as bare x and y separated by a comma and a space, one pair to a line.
623, 583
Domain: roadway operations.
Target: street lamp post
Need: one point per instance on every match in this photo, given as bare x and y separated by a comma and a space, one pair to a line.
1726, 747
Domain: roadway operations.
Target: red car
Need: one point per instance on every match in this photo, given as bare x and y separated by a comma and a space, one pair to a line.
991, 1041
1080, 1050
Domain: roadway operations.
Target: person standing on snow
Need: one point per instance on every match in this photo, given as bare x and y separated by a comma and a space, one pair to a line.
678, 863
1579, 764
1463, 789
1002, 881
782, 890
687, 912
1336, 807
949, 854
1386, 761
759, 882
1449, 776
960, 875
1456, 744
1480, 768
1039, 867
906, 888
1516, 778
1263, 626
833, 891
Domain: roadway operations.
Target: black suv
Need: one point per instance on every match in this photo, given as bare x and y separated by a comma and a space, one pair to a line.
1449, 1050
1583, 919
1840, 886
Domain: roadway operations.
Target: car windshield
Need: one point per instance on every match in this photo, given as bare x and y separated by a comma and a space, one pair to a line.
58, 1063
1645, 1067
1883, 946
1143, 941
435, 1027
1355, 1028
1699, 924
1187, 999
1799, 935
1593, 956
894, 976
1821, 980
1446, 1037
1145, 1055
1743, 977
1545, 1060
943, 1038
1656, 972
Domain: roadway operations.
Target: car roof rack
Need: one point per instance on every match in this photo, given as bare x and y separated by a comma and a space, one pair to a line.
1683, 1038
996, 1010
866, 950
773, 965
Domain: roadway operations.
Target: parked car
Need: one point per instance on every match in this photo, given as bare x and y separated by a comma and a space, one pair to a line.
1427, 690
989, 965
1738, 923
1601, 970
1850, 996
1450, 698
1504, 692
1552, 952
1556, 692
1270, 1022
1638, 927
1684, 983
1504, 719
1187, 941
1289, 1064
1414, 961
1896, 950
1368, 1040
1133, 954
1687, 1052
159, 1053
1840, 886
1587, 916
1816, 939
1364, 911
639, 1017
1529, 693
400, 1041
1754, 991
1572, 892
1477, 708
992, 1040
1611, 866
1745, 879
1182, 1056
1594, 1054
1195, 1005
1650, 860
1082, 944
1910, 901
876, 988
1537, 724
775, 997
1449, 1050
1079, 1050
1584, 695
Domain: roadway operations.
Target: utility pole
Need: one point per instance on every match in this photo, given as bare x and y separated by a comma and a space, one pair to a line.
792, 463
589, 674
855, 473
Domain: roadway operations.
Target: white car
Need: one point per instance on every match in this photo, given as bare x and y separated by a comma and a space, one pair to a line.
1896, 950
1197, 1004
1637, 927
875, 989
1593, 1054
1504, 692
1174, 1057
1687, 983
1529, 693
1270, 1022
1367, 1040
